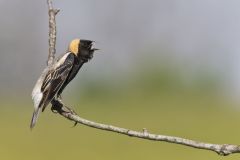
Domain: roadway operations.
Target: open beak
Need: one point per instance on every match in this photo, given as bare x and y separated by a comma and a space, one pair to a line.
95, 49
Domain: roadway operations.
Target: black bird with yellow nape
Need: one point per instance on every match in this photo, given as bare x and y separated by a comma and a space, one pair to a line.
56, 77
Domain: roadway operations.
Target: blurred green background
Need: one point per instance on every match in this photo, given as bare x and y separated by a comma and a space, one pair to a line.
169, 66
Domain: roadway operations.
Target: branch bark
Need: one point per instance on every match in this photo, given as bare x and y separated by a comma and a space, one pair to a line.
52, 32
59, 107
221, 149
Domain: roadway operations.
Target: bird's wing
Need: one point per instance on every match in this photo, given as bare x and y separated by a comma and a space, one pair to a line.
71, 75
55, 79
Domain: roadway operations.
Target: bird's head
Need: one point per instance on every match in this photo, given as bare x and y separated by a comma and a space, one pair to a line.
82, 49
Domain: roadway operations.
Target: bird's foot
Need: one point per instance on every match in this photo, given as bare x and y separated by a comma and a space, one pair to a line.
54, 110
71, 111
59, 107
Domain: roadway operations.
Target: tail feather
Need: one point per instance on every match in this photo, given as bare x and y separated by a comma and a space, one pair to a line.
34, 117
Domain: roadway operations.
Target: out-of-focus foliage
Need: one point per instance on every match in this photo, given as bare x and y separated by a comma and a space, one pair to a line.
153, 99
167, 66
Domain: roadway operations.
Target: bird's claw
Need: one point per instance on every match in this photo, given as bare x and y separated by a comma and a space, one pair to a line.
54, 111
74, 125
69, 110
61, 108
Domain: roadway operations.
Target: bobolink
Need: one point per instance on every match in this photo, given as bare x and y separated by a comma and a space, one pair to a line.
57, 76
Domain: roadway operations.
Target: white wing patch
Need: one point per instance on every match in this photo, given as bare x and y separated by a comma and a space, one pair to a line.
61, 60
36, 93
37, 97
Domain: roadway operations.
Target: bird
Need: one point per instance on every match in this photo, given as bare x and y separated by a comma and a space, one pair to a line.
57, 76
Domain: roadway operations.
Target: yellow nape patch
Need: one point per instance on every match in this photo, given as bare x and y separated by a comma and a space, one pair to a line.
73, 47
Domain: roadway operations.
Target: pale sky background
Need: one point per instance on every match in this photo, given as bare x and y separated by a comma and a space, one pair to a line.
194, 34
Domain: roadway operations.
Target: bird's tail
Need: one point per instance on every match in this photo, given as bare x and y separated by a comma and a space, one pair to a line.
34, 117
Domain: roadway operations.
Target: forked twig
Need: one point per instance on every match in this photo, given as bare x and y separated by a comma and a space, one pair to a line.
59, 107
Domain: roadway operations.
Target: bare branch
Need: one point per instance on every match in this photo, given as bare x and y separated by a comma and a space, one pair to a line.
59, 107
221, 149
52, 32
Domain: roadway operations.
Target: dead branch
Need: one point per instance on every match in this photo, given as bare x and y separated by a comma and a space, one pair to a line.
59, 107
52, 32
221, 149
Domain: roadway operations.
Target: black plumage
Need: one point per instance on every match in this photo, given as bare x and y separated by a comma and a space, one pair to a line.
85, 54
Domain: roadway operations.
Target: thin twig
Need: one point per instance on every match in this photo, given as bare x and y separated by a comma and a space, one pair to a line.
59, 107
221, 149
52, 32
